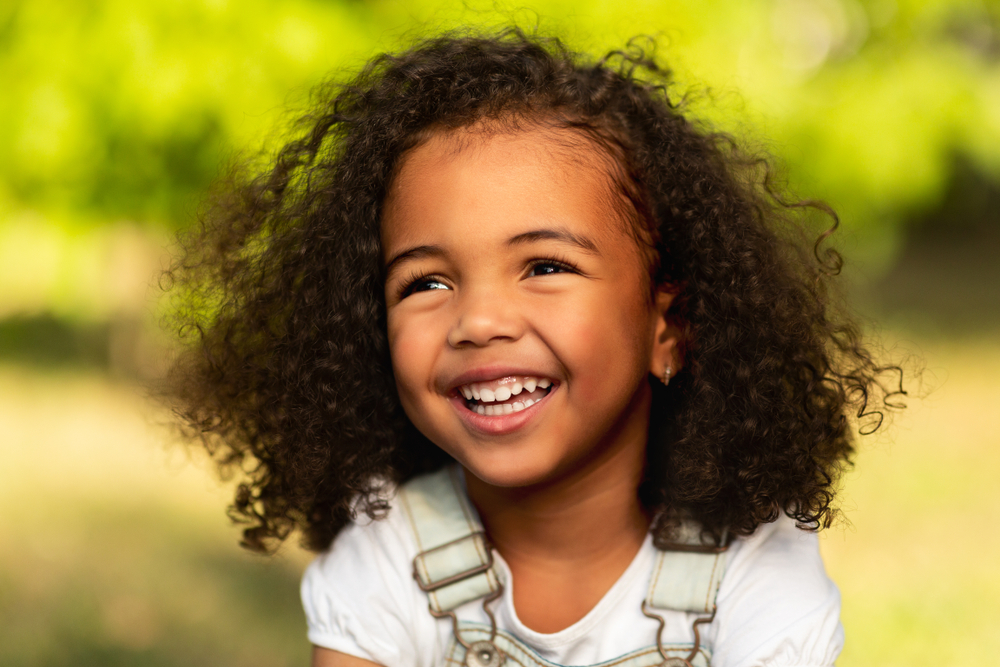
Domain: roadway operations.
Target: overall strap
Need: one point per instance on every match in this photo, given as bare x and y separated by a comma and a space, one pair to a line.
454, 564
688, 571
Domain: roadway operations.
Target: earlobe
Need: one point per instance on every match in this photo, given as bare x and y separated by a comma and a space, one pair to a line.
666, 359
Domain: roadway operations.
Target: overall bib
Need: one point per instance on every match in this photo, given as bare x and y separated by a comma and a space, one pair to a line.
454, 566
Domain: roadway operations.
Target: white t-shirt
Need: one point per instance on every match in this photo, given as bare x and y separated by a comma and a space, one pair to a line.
776, 606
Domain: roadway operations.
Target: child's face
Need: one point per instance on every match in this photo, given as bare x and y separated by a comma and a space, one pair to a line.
508, 267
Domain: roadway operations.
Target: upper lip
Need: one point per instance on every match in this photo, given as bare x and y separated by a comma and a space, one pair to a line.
487, 373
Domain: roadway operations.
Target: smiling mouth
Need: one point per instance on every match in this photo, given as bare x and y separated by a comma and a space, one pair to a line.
505, 396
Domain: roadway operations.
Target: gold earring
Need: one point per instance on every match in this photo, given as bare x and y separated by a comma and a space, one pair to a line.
667, 371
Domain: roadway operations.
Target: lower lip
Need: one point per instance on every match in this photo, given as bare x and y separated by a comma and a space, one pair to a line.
499, 424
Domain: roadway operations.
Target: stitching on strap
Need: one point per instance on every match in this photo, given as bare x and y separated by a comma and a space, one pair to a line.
409, 517
656, 576
711, 581
521, 654
462, 500
479, 550
424, 573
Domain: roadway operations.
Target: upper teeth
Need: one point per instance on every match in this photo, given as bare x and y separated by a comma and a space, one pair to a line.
501, 390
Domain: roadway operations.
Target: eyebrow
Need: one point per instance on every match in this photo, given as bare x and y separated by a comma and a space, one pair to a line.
416, 252
535, 235
561, 235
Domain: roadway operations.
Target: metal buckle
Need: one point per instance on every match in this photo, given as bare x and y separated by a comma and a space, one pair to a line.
479, 537
673, 661
483, 653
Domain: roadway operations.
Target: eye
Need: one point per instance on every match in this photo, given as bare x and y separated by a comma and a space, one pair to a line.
547, 267
422, 284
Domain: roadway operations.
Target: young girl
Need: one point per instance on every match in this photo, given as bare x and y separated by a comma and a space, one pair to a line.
531, 360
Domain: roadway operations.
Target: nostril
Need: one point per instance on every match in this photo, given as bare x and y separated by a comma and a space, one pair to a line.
489, 322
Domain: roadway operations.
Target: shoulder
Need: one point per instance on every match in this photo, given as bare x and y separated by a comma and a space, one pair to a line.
359, 596
366, 548
381, 544
777, 606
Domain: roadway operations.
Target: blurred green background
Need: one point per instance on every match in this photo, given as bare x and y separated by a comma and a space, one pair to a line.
115, 117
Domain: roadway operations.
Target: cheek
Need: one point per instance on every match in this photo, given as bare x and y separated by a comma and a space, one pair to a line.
409, 347
604, 339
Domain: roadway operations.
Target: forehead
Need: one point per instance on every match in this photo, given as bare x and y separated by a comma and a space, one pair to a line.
489, 179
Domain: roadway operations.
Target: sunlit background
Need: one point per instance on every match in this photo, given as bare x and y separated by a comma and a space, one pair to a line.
115, 116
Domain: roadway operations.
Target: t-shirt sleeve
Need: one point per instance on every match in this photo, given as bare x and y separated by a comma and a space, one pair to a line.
777, 606
359, 601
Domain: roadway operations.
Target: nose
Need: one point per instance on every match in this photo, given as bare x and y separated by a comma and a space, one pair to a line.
484, 318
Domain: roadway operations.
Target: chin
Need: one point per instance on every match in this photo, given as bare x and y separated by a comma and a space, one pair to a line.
509, 472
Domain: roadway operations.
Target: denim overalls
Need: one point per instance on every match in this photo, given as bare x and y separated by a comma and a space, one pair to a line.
454, 566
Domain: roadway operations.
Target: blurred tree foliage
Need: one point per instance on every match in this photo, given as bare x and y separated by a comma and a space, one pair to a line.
115, 111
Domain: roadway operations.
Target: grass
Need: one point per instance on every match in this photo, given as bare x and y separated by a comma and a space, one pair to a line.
114, 548
917, 564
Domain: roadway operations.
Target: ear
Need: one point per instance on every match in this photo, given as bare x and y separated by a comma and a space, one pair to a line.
667, 335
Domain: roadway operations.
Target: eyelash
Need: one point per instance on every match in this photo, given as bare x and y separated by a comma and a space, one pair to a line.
411, 281
566, 266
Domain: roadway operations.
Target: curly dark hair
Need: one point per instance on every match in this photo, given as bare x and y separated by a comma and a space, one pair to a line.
286, 376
